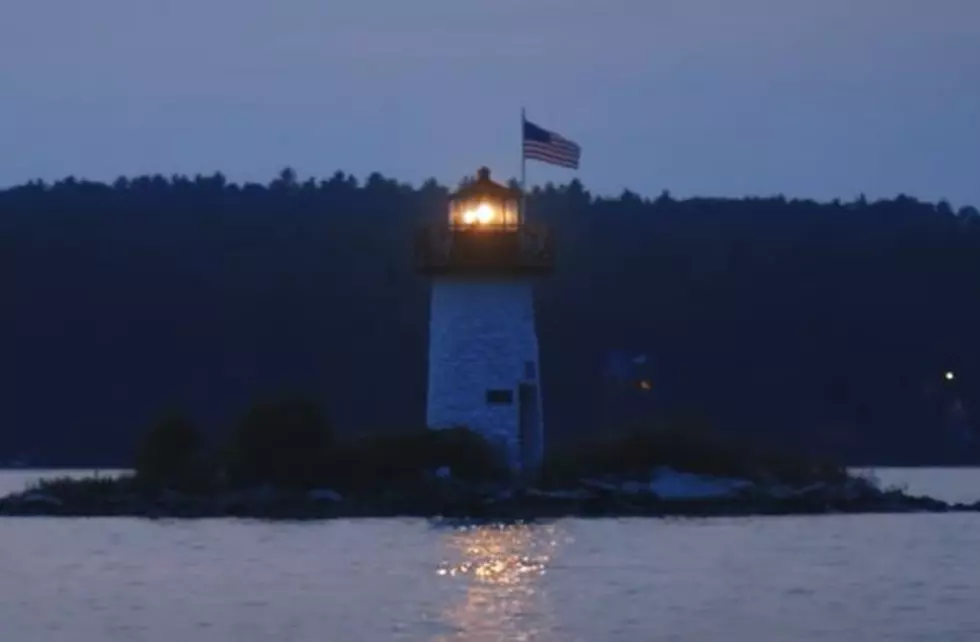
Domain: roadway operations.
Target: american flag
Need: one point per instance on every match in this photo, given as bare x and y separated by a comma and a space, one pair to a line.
543, 145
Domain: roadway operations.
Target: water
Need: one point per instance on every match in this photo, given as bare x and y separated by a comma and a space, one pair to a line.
890, 577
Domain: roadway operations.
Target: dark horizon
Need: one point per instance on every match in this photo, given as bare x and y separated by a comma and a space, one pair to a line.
573, 182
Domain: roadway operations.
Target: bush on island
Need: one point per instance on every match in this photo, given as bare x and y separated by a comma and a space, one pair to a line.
283, 443
684, 445
396, 459
170, 455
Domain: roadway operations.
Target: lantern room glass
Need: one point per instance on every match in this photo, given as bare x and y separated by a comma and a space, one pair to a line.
476, 212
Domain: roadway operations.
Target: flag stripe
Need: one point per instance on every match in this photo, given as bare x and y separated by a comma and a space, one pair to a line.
543, 145
554, 160
565, 159
555, 149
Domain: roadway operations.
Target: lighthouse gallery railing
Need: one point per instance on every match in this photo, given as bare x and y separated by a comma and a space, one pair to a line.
487, 248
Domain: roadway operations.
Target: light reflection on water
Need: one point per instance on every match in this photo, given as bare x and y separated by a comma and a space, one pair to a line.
503, 565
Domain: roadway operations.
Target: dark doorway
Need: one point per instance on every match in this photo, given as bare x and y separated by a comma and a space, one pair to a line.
530, 424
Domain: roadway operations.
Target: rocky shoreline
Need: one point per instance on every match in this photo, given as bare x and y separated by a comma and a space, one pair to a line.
668, 494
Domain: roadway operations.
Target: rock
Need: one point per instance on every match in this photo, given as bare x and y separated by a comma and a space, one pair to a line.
31, 503
813, 489
599, 484
966, 508
324, 495
501, 495
926, 504
39, 500
262, 495
634, 488
616, 486
777, 491
670, 484
168, 496
572, 495
444, 472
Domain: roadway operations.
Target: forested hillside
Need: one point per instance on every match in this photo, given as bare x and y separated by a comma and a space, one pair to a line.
825, 325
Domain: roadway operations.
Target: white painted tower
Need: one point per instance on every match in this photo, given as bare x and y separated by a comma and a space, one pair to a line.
483, 349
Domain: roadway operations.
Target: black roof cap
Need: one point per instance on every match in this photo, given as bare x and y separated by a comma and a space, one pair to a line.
484, 186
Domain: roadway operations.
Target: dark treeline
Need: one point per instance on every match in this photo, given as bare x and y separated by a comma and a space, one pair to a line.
826, 326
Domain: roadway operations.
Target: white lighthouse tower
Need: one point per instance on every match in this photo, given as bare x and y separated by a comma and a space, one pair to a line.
483, 349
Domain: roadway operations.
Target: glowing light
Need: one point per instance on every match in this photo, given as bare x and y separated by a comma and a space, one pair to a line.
950, 375
480, 215
645, 384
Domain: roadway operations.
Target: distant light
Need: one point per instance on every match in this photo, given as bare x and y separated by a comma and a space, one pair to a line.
645, 384
950, 375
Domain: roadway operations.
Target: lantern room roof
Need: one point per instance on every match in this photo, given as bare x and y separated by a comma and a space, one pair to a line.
483, 186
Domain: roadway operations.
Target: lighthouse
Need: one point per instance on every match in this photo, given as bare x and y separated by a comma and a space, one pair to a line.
484, 369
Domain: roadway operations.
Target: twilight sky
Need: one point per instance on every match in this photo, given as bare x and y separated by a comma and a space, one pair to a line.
810, 98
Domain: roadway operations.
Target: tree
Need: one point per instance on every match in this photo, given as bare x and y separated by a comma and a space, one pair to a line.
283, 443
169, 452
286, 179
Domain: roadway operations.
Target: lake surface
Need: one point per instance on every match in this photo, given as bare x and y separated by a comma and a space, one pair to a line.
847, 578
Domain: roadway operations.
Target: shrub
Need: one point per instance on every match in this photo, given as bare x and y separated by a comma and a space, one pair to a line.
682, 445
283, 443
386, 460
170, 454
468, 455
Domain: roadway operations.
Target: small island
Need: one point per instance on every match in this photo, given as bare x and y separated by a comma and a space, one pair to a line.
281, 461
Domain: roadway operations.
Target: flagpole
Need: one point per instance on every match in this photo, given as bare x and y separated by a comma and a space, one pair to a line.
523, 172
